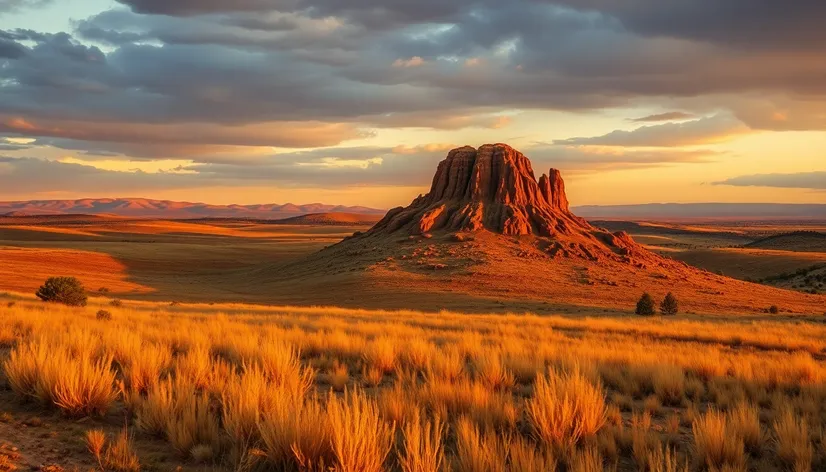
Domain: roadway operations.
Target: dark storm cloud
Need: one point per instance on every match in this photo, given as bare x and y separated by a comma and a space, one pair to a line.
227, 67
805, 180
198, 7
9, 48
743, 23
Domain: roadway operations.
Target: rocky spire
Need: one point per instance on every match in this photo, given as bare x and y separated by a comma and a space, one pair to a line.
491, 188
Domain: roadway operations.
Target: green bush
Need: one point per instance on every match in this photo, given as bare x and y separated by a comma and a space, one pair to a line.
103, 315
646, 305
774, 310
669, 305
66, 290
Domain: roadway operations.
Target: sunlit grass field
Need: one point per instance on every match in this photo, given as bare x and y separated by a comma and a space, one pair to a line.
239, 387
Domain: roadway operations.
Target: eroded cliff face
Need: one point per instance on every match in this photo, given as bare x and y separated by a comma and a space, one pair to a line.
491, 188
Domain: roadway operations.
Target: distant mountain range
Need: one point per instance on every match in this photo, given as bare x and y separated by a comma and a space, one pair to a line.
745, 211
146, 208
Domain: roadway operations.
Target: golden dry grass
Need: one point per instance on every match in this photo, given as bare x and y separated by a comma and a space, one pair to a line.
450, 391
423, 449
792, 441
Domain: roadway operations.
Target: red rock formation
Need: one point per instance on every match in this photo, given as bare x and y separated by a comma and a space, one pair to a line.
491, 188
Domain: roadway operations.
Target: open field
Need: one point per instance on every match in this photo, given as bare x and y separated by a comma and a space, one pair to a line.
238, 387
259, 262
154, 259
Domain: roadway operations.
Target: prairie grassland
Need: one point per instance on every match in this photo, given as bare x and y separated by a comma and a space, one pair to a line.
257, 388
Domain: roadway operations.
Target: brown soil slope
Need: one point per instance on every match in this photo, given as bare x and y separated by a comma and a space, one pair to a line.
489, 229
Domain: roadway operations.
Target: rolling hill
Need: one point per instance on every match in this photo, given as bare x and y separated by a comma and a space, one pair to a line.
797, 241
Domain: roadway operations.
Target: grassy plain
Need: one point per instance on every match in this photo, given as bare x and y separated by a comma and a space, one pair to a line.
162, 372
240, 387
787, 254
153, 259
261, 262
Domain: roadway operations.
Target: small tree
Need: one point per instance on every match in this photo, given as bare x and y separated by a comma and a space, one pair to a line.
65, 290
646, 305
669, 305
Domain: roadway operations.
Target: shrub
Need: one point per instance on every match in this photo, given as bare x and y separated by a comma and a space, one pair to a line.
193, 425
774, 310
116, 303
423, 449
565, 409
716, 444
120, 455
791, 439
296, 432
669, 305
241, 403
95, 440
84, 387
669, 384
103, 290
339, 376
66, 290
361, 439
645, 306
381, 354
478, 450
103, 315
745, 420
73, 382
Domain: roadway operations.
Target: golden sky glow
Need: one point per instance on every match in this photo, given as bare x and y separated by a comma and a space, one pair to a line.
355, 103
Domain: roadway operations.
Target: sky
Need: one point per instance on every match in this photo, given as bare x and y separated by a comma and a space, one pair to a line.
354, 102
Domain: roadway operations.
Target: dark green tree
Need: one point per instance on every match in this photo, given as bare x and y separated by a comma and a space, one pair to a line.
669, 305
646, 305
66, 290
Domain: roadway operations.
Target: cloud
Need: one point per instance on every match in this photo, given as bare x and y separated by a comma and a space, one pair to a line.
584, 159
342, 167
703, 131
806, 180
414, 61
196, 7
219, 82
743, 23
698, 20
198, 135
668, 116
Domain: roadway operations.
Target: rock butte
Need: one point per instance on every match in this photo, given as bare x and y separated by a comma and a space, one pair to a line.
490, 231
494, 188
